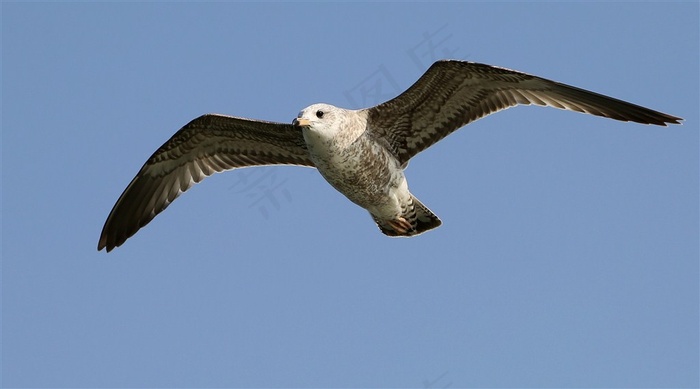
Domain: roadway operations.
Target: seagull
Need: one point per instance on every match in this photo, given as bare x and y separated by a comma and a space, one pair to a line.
361, 153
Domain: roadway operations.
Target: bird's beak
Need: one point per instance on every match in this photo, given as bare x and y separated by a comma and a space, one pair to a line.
301, 122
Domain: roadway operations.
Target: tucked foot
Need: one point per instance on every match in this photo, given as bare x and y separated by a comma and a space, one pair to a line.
415, 219
400, 225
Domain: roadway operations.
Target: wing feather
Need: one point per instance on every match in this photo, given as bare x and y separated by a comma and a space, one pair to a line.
209, 144
453, 93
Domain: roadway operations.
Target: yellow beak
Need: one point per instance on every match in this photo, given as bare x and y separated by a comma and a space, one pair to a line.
301, 122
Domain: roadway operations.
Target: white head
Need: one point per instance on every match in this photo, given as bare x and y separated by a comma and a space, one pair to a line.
321, 119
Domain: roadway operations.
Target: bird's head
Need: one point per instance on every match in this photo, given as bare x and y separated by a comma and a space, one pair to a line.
321, 119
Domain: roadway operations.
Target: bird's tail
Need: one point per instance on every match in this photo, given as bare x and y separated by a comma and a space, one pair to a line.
415, 220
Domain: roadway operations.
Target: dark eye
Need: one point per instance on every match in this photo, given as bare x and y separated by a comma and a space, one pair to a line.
319, 114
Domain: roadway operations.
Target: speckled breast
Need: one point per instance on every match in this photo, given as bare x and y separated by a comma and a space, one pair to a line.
364, 171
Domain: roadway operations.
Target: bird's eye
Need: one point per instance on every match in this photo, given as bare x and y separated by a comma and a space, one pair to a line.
319, 114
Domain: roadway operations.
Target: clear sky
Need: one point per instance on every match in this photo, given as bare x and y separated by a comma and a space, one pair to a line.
568, 254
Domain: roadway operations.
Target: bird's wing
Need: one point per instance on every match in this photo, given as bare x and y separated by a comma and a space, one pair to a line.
453, 93
209, 144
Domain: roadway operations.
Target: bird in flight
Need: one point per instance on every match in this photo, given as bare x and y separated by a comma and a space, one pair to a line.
361, 153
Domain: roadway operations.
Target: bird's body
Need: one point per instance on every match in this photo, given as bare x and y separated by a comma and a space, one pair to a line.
363, 169
361, 153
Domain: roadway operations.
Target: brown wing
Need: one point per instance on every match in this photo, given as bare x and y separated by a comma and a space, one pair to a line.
453, 93
206, 145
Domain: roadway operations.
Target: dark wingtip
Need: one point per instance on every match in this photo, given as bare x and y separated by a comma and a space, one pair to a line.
675, 120
666, 120
658, 118
102, 244
105, 243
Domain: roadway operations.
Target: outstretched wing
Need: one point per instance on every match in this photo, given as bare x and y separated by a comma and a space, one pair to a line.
206, 145
453, 93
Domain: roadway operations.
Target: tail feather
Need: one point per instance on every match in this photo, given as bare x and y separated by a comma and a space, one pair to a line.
415, 219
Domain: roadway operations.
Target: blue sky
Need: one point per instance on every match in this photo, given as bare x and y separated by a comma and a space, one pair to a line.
568, 254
